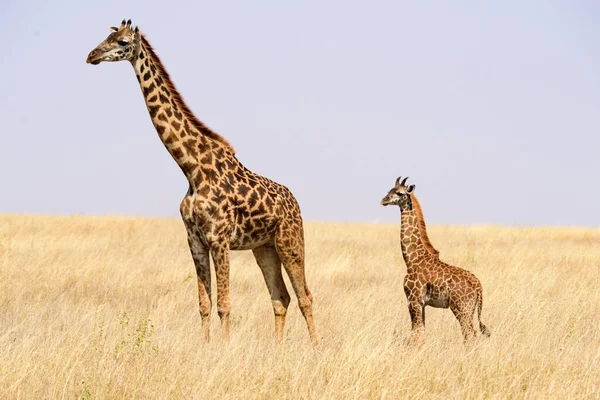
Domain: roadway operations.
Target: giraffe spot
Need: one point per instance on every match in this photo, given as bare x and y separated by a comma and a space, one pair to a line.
160, 129
207, 159
153, 110
176, 125
226, 186
229, 178
162, 117
190, 131
169, 112
218, 196
243, 190
252, 199
163, 99
231, 164
147, 76
269, 204
210, 174
142, 55
188, 166
177, 152
170, 139
190, 147
212, 210
202, 189
259, 211
261, 191
152, 99
149, 89
178, 115
219, 165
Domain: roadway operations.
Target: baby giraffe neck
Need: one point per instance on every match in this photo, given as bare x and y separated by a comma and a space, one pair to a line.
413, 247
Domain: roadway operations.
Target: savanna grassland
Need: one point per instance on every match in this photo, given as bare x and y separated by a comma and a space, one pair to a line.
100, 307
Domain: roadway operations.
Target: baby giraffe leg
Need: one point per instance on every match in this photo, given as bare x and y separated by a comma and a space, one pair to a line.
467, 325
417, 312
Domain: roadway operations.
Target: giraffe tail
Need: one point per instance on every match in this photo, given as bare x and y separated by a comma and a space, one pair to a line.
484, 329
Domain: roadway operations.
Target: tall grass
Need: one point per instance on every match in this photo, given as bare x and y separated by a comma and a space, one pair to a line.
99, 307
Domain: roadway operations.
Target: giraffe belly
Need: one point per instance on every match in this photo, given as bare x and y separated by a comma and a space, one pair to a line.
246, 243
436, 297
241, 239
438, 303
251, 231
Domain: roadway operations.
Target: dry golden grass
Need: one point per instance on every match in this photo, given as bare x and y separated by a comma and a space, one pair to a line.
107, 308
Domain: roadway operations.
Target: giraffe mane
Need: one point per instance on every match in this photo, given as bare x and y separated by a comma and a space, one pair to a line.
185, 110
422, 228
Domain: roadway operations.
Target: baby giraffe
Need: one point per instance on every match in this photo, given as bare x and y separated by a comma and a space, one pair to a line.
429, 281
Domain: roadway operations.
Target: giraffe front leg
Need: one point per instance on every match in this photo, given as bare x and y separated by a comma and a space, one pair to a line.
202, 263
220, 255
417, 311
290, 247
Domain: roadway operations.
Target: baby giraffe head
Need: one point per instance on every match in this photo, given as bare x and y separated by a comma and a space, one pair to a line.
399, 195
123, 43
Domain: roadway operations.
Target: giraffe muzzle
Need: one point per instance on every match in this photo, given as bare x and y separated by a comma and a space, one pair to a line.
90, 58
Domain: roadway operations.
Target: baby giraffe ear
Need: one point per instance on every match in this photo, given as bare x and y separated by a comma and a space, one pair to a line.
411, 189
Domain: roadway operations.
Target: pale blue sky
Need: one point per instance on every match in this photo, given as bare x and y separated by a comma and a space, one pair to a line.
491, 108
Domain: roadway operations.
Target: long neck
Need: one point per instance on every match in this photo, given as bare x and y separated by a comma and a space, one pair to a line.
415, 246
189, 141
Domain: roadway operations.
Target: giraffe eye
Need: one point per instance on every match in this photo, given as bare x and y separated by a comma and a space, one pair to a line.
123, 42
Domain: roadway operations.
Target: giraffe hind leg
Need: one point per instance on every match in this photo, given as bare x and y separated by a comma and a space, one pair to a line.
270, 265
290, 247
485, 331
467, 325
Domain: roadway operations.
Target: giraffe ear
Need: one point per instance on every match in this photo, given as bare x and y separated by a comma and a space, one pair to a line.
114, 29
411, 189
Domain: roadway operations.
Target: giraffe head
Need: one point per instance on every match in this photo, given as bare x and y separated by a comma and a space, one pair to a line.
399, 195
123, 43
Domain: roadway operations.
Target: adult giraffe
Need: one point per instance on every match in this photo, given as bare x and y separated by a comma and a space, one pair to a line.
227, 207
